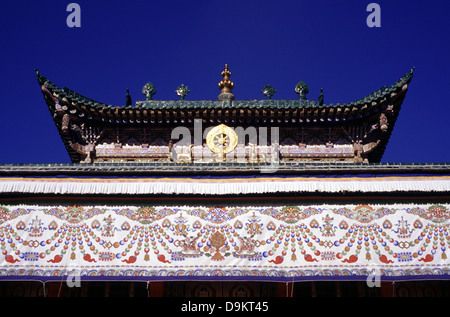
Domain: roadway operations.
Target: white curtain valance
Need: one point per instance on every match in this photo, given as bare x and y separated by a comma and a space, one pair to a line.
222, 186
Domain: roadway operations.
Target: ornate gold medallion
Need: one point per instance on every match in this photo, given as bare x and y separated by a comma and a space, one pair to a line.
221, 139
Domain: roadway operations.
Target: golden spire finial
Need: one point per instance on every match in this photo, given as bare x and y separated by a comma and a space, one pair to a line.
226, 72
226, 85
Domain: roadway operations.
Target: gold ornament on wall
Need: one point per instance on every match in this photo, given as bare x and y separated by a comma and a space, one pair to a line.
221, 139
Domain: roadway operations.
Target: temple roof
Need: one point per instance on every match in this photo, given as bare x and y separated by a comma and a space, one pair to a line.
66, 106
92, 107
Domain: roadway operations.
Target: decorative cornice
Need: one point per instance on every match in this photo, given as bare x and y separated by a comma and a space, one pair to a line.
167, 168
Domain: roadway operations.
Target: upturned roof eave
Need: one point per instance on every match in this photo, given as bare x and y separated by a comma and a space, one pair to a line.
94, 107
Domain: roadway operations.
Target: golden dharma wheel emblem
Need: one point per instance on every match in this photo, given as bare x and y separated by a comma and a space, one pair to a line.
221, 139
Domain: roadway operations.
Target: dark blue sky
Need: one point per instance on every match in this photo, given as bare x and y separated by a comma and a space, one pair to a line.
124, 44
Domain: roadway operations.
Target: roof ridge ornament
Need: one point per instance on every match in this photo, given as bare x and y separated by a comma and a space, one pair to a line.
182, 91
149, 90
302, 90
128, 101
320, 98
268, 91
226, 86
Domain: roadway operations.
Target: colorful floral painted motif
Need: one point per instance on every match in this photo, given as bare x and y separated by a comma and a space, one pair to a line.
261, 243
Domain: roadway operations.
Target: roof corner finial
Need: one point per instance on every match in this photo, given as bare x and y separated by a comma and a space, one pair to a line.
226, 85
